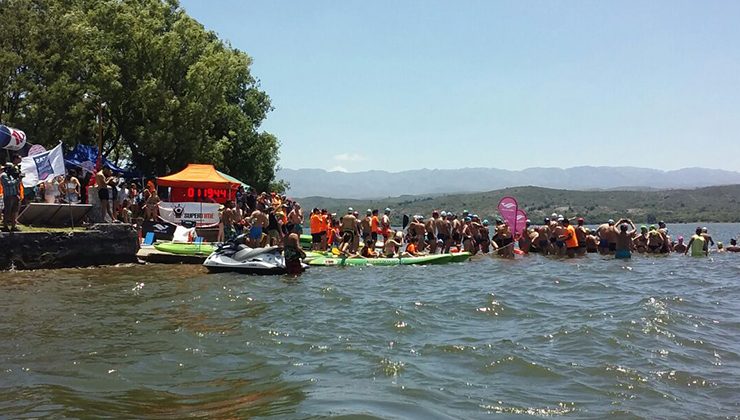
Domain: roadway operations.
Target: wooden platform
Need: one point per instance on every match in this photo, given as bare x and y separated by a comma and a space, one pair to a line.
151, 255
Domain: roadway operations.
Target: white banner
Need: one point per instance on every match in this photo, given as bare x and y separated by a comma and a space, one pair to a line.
203, 214
42, 167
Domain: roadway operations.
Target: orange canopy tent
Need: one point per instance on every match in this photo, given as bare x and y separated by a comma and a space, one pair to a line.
199, 181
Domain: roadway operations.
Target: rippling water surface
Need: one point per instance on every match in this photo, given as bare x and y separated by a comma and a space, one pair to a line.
585, 338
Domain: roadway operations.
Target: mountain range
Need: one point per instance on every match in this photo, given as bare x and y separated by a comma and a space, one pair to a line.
379, 184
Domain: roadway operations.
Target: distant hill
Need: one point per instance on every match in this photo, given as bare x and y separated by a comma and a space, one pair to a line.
378, 184
709, 204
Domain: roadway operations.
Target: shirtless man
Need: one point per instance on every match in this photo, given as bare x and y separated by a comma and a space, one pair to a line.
680, 247
457, 228
468, 243
624, 239
607, 234
581, 236
442, 227
348, 227
295, 219
733, 246
228, 217
417, 231
543, 237
103, 179
258, 223
430, 227
592, 242
640, 242
365, 227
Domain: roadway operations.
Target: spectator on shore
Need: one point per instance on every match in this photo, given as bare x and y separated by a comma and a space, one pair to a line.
103, 179
70, 188
11, 182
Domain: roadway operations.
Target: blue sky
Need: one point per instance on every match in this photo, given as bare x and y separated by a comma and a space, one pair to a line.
397, 85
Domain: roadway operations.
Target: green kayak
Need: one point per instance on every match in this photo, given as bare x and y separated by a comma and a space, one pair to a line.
427, 259
306, 241
185, 249
460, 256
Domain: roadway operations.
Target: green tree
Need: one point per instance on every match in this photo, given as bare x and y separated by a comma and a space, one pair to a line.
174, 92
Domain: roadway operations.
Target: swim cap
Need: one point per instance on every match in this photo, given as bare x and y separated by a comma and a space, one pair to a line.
554, 215
443, 214
350, 210
610, 221
387, 210
369, 211
465, 212
652, 227
643, 227
468, 219
485, 222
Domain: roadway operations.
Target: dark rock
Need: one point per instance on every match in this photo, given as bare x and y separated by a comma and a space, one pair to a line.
101, 244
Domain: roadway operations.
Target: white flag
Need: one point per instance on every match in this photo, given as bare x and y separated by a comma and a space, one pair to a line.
42, 167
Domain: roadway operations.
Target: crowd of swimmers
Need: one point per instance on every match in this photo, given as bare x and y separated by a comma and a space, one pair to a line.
445, 232
271, 219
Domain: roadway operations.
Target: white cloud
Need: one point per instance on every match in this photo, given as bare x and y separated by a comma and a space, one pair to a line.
338, 169
349, 157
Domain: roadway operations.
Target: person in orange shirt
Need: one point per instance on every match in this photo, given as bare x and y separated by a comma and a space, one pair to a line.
375, 226
570, 239
325, 218
317, 226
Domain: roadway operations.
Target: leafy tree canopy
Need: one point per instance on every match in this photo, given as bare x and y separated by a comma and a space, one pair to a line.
173, 92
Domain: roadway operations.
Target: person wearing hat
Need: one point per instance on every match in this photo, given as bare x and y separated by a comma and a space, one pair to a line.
655, 240
11, 182
640, 242
680, 246
733, 246
385, 224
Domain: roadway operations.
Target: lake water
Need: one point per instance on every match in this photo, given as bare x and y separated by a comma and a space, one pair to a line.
654, 337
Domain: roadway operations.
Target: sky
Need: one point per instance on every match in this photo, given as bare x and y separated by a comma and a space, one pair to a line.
397, 85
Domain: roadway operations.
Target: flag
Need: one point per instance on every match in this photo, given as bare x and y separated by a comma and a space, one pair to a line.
12, 139
42, 167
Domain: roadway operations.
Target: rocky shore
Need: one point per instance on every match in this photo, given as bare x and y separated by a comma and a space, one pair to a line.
100, 244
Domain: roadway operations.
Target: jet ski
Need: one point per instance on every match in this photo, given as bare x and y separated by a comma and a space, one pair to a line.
235, 256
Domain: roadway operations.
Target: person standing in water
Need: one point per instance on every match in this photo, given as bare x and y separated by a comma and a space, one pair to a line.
624, 239
697, 245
